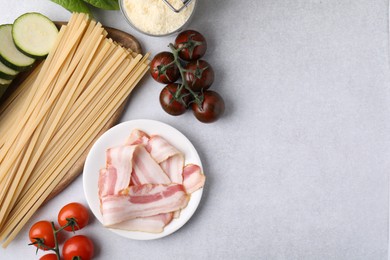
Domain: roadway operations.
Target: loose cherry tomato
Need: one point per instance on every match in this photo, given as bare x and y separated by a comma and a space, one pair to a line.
42, 231
211, 108
80, 246
193, 43
199, 75
74, 211
162, 69
49, 257
170, 104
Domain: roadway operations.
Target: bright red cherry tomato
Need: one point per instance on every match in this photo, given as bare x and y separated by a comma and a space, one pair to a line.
193, 45
42, 231
76, 211
49, 257
80, 246
211, 108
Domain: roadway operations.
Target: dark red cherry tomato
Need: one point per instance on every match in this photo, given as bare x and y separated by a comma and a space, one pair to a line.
199, 75
163, 69
170, 104
193, 43
211, 109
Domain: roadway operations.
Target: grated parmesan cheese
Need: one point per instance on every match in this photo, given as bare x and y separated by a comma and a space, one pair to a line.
155, 17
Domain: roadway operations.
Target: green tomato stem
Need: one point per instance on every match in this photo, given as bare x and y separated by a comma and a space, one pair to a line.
71, 222
198, 99
56, 248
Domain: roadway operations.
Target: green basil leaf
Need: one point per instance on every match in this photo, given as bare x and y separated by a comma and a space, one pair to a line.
74, 5
104, 4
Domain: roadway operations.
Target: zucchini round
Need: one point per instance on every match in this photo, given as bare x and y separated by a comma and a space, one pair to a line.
34, 35
5, 81
9, 54
3, 86
6, 72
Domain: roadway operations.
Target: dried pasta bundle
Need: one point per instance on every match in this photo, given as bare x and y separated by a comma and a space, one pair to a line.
57, 112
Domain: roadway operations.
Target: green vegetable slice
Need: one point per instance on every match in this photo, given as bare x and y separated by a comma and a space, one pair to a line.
34, 34
3, 86
5, 81
9, 54
6, 72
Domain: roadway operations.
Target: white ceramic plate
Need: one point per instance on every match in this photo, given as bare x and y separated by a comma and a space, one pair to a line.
117, 136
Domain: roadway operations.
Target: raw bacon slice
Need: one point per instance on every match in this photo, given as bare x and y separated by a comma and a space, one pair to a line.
107, 181
193, 177
173, 167
170, 159
176, 214
160, 149
146, 170
152, 224
143, 201
119, 167
138, 137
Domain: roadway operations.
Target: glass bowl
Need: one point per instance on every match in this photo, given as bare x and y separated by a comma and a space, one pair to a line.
146, 18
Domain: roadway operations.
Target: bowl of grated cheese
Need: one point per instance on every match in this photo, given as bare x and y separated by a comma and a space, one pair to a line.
155, 18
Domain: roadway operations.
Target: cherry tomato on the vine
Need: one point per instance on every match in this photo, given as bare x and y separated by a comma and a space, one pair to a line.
163, 69
170, 104
42, 231
80, 246
49, 257
211, 108
199, 75
76, 211
193, 43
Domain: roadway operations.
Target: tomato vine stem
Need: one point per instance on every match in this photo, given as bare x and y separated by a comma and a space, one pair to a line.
175, 51
56, 248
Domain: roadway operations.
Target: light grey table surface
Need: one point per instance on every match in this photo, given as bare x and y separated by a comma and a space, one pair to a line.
298, 166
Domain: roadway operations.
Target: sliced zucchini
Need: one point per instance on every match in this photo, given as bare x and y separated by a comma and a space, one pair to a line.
6, 72
3, 86
34, 34
5, 81
9, 54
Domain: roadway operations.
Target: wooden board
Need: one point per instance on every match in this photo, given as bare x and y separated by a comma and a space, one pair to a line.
127, 41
